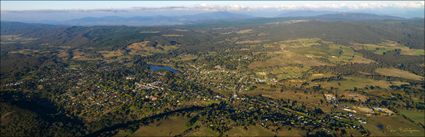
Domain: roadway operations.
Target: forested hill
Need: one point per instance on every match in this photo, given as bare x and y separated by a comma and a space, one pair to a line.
344, 28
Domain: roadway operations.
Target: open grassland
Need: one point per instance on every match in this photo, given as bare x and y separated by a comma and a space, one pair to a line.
145, 48
25, 51
244, 31
64, 54
320, 75
285, 58
308, 52
392, 126
176, 125
353, 96
83, 56
112, 54
203, 131
290, 72
384, 93
417, 116
293, 132
186, 57
393, 72
248, 42
253, 130
331, 53
388, 46
171, 126
355, 82
282, 73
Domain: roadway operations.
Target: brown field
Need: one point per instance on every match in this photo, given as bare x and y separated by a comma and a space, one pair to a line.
252, 131
398, 73
112, 54
387, 46
293, 132
145, 48
384, 93
287, 58
63, 54
308, 52
78, 55
187, 57
203, 131
354, 96
364, 110
244, 31
355, 82
320, 75
171, 126
138, 45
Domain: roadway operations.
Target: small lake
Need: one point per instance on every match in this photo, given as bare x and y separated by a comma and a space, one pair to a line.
159, 68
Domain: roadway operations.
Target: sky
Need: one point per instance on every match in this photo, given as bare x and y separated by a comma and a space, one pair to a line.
229, 5
31, 11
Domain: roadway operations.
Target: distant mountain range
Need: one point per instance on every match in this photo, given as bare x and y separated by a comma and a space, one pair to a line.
355, 17
305, 13
208, 18
155, 20
341, 27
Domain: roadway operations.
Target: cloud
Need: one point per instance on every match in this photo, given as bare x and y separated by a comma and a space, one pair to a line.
316, 5
277, 5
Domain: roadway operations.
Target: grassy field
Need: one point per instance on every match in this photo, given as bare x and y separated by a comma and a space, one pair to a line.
251, 131
282, 73
293, 132
203, 131
392, 126
146, 48
384, 93
336, 54
398, 73
171, 126
286, 58
352, 82
79, 55
320, 75
387, 46
186, 57
309, 52
176, 125
417, 116
111, 54
290, 72
353, 96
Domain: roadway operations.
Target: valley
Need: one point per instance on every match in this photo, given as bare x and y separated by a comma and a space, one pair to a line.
310, 76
